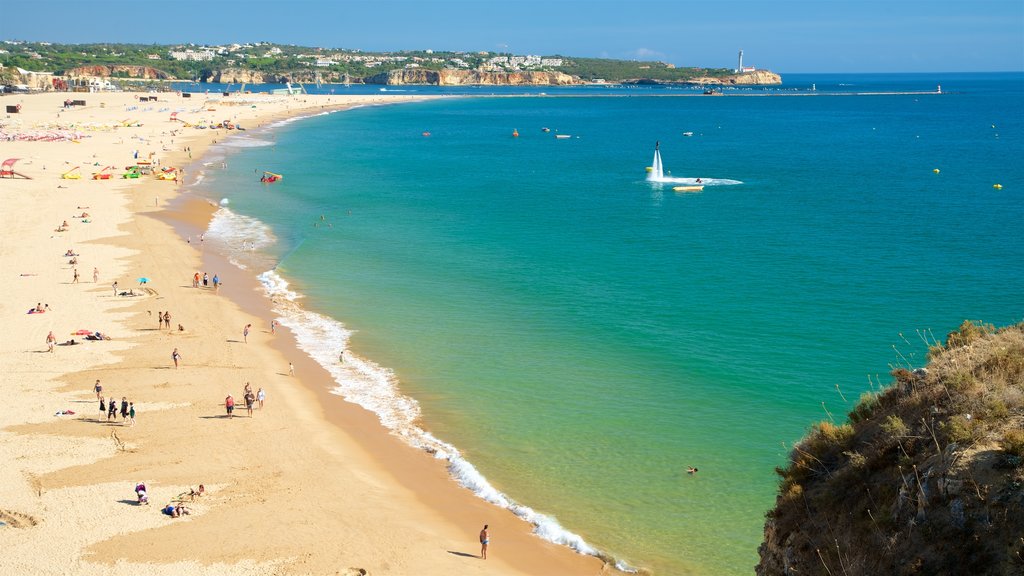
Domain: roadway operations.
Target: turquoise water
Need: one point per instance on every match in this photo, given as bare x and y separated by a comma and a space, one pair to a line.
583, 335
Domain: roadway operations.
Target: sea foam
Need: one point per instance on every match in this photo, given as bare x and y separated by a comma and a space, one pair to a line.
241, 238
375, 388
246, 142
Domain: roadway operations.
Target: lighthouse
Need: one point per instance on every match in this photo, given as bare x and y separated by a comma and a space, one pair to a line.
739, 67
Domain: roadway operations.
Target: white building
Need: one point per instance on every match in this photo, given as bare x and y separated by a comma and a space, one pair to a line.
194, 55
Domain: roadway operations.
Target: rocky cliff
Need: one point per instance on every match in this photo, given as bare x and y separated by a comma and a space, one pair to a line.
758, 78
925, 478
240, 76
100, 71
449, 77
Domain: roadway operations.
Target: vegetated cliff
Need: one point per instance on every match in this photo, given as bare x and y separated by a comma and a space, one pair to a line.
925, 478
101, 71
450, 77
755, 78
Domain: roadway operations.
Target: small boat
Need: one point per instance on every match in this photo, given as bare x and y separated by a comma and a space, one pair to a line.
687, 133
545, 129
515, 133
563, 136
688, 188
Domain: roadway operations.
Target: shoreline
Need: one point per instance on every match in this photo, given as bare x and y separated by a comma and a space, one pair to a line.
311, 484
275, 297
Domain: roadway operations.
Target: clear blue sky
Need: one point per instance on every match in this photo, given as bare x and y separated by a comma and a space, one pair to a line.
782, 35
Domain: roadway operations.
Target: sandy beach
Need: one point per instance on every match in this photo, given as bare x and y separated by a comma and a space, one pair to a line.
309, 484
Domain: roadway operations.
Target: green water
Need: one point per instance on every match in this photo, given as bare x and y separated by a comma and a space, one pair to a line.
583, 336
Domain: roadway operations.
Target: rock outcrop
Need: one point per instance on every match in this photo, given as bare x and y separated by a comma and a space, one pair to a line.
101, 71
241, 76
756, 78
449, 77
925, 478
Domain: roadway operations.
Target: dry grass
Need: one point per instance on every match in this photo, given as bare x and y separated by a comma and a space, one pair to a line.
924, 479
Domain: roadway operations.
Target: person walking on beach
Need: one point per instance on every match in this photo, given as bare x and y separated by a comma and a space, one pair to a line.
114, 286
111, 409
159, 320
124, 408
131, 414
260, 397
273, 326
229, 406
167, 319
485, 539
249, 399
98, 388
51, 340
245, 333
206, 279
103, 405
75, 279
176, 357
95, 275
291, 369
195, 280
216, 283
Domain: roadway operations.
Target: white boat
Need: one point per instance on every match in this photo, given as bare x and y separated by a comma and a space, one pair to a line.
563, 136
687, 133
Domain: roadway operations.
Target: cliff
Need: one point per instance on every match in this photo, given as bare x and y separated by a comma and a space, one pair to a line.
449, 77
240, 76
925, 477
100, 71
756, 78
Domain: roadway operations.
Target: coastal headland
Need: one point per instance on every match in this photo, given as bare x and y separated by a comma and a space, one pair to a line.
309, 484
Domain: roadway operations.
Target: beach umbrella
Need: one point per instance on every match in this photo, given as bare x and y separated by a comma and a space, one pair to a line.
143, 280
81, 332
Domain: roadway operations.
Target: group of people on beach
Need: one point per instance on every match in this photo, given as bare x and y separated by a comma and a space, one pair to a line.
175, 508
109, 407
163, 320
250, 399
205, 280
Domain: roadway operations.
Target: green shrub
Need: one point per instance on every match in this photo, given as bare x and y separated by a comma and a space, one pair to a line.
967, 333
960, 429
1013, 442
894, 426
857, 460
996, 408
864, 408
961, 381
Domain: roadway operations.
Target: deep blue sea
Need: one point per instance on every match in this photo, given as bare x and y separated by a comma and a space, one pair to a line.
572, 336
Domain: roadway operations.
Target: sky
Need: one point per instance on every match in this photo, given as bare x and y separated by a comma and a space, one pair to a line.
779, 35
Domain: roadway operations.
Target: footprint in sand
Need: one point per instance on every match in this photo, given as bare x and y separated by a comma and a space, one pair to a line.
17, 519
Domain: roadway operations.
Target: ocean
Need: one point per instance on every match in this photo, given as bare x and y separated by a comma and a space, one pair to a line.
572, 336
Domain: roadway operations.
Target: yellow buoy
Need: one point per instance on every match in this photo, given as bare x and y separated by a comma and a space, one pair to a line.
649, 168
997, 186
936, 170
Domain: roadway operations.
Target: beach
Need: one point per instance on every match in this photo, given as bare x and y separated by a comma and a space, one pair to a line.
309, 484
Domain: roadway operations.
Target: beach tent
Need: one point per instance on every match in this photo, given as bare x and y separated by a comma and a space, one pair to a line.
7, 169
